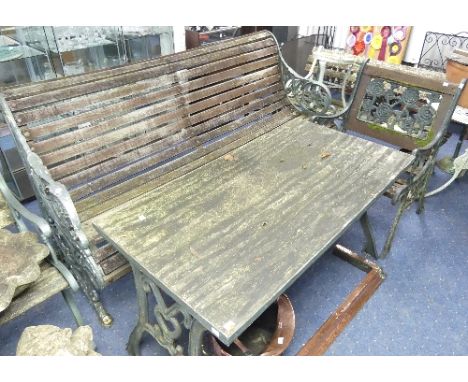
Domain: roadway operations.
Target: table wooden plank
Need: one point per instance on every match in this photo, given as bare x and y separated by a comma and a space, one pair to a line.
226, 239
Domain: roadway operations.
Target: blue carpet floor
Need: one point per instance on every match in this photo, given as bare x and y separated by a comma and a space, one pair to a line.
420, 309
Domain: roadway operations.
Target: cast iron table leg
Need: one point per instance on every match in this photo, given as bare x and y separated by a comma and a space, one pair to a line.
164, 325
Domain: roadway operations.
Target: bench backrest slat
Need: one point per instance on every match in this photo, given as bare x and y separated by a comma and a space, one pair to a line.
46, 86
97, 131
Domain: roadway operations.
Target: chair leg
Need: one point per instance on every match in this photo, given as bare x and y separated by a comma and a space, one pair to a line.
422, 192
393, 228
71, 302
370, 247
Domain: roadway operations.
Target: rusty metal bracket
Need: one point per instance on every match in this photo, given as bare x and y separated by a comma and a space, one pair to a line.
335, 324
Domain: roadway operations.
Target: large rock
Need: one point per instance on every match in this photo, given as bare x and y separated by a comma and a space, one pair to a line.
20, 256
51, 340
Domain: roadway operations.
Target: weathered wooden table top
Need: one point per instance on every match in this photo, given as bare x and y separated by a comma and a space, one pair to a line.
227, 239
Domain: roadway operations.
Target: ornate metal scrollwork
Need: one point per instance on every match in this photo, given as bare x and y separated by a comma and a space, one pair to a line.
68, 240
72, 243
61, 214
437, 47
326, 92
165, 324
399, 108
306, 95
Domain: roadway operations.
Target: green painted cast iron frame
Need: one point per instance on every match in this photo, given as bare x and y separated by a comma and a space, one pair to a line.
313, 97
166, 328
347, 72
419, 174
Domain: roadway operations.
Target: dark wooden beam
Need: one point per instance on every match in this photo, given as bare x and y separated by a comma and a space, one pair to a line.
319, 343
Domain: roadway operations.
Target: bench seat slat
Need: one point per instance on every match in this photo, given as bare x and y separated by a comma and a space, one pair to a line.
115, 176
104, 200
95, 99
112, 263
182, 79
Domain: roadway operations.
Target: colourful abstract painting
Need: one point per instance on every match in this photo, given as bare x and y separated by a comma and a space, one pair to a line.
383, 43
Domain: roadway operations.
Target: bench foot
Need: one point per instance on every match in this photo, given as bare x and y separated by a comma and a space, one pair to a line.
105, 318
166, 324
196, 339
78, 277
85, 283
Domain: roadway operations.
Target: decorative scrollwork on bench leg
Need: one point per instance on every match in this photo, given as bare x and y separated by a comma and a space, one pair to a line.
69, 240
167, 322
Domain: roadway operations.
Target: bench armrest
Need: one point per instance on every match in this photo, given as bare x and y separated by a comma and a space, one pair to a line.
305, 95
20, 212
351, 67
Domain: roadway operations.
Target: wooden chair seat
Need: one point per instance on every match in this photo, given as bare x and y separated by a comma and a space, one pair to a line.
51, 281
49, 284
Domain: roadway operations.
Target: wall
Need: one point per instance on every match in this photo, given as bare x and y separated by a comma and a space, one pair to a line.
413, 50
179, 38
416, 41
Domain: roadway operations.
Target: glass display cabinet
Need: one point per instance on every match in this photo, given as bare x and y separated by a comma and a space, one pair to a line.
142, 43
22, 61
43, 52
76, 50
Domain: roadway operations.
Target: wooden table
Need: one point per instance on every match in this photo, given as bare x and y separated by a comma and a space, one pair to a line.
225, 240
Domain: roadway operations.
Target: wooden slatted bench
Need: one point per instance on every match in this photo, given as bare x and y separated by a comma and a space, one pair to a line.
409, 108
50, 281
93, 141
